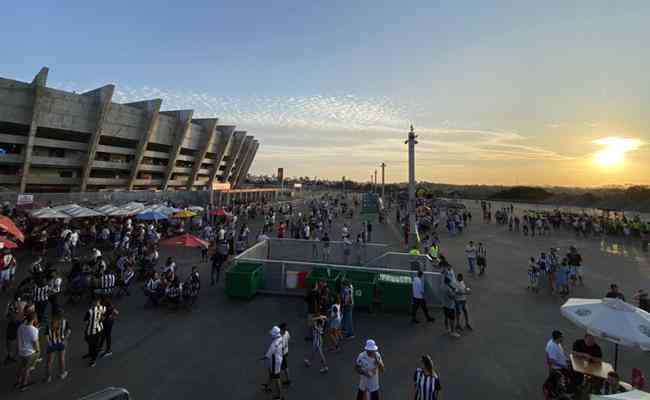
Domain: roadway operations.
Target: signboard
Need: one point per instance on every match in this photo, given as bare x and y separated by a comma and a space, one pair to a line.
25, 200
221, 186
281, 174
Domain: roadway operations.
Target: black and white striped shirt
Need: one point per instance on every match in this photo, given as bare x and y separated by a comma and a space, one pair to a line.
93, 319
41, 294
426, 386
127, 276
55, 285
59, 335
173, 292
107, 282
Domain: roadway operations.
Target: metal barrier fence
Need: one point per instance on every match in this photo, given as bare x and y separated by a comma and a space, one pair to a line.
394, 260
313, 250
278, 272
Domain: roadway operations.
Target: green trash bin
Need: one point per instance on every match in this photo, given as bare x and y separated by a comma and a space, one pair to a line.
364, 284
244, 279
395, 292
330, 275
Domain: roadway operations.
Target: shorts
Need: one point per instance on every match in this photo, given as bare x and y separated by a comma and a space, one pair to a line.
12, 330
450, 313
55, 348
285, 362
335, 324
5, 275
576, 270
28, 362
461, 305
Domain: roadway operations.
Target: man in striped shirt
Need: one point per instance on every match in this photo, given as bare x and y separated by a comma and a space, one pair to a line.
94, 328
427, 382
41, 298
106, 284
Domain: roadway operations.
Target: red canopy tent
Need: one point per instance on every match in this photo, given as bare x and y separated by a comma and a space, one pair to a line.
9, 226
219, 212
8, 244
185, 240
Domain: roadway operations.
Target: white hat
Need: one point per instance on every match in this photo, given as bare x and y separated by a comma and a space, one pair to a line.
275, 332
371, 345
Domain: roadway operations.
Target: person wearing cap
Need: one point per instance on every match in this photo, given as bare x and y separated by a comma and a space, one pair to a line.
273, 359
369, 365
427, 382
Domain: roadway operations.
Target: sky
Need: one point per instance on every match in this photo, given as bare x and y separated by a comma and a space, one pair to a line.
499, 92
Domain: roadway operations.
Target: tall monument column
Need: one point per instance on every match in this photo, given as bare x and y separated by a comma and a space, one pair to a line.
414, 239
383, 181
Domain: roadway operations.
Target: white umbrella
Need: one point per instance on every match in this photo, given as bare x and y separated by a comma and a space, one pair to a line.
611, 319
631, 395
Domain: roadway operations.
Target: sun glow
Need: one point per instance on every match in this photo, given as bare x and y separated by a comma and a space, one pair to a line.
614, 152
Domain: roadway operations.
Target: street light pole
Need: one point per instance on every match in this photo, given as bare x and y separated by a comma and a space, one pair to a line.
383, 181
414, 240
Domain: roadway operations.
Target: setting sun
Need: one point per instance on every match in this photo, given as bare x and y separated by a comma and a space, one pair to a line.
614, 152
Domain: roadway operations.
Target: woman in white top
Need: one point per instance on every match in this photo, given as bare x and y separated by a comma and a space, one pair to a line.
335, 318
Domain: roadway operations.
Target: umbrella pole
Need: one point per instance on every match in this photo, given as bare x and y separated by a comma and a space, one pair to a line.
616, 357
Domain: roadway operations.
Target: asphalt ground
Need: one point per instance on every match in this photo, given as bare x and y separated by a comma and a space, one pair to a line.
213, 351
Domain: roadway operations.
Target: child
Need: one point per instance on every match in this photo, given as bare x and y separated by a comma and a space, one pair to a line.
317, 343
533, 275
335, 325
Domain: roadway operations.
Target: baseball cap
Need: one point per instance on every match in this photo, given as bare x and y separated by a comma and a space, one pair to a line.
275, 332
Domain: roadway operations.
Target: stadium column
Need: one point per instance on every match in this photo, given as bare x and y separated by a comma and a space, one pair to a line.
235, 148
38, 84
210, 126
225, 133
104, 97
152, 110
183, 126
241, 160
249, 162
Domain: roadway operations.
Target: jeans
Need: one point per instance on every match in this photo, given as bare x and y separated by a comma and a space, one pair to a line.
419, 303
346, 322
472, 264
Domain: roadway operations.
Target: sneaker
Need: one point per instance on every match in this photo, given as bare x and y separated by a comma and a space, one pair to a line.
324, 370
455, 334
307, 363
64, 375
93, 364
469, 327
25, 388
48, 379
107, 354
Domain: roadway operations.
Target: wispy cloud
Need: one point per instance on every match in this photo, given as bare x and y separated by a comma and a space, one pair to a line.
322, 129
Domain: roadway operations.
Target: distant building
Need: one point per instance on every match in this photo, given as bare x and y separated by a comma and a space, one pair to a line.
57, 141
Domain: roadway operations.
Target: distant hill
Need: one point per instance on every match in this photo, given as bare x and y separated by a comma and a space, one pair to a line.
522, 193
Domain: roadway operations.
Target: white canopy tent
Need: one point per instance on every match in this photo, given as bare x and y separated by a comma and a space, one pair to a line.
48, 213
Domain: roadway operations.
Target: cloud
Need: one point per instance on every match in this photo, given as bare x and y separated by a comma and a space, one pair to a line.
325, 130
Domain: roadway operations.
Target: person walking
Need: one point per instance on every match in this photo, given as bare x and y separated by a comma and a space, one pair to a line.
347, 306
218, 258
317, 343
284, 367
470, 252
94, 329
41, 299
449, 306
481, 258
107, 336
57, 339
326, 247
427, 381
419, 300
461, 303
29, 350
369, 365
273, 359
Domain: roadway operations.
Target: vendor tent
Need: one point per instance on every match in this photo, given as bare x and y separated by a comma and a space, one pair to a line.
48, 213
11, 228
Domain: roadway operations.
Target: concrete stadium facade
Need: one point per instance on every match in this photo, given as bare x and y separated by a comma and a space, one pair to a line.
67, 142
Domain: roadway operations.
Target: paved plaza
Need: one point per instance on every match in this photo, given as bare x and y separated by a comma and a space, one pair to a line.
213, 351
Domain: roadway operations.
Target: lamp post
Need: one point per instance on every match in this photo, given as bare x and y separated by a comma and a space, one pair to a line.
413, 239
383, 181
